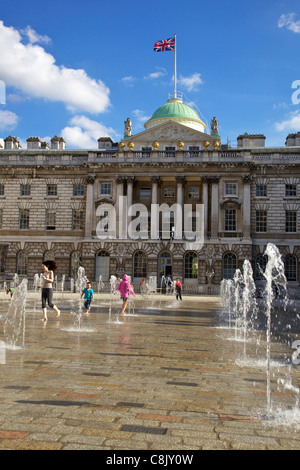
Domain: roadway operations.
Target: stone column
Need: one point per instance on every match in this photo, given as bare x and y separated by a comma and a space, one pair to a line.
119, 208
205, 203
247, 206
214, 205
129, 180
89, 208
154, 200
154, 196
179, 216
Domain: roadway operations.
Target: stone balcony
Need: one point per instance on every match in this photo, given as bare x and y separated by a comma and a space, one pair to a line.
50, 157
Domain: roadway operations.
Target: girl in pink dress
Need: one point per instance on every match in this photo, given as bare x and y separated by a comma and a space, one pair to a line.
125, 289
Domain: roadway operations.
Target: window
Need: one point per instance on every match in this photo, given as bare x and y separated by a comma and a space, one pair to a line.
290, 190
229, 265
102, 222
2, 258
261, 190
169, 192
146, 152
170, 151
140, 264
291, 221
230, 189
77, 219
1, 218
105, 189
78, 190
22, 263
145, 193
194, 151
50, 219
1, 189
191, 265
290, 266
25, 189
51, 189
261, 221
230, 220
23, 219
193, 193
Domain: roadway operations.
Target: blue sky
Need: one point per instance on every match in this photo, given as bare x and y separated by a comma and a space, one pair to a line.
79, 69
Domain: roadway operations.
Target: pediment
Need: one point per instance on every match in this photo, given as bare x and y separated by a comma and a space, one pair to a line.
167, 132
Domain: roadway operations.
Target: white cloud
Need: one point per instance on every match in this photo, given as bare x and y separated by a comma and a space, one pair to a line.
84, 132
8, 120
140, 117
31, 70
190, 83
129, 81
161, 72
289, 22
292, 124
33, 36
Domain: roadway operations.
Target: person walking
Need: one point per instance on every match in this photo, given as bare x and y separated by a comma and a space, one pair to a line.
125, 289
49, 268
178, 288
88, 294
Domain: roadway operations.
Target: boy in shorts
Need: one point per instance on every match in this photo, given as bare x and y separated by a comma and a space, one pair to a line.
88, 294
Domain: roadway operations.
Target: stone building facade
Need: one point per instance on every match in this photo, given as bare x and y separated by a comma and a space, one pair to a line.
52, 200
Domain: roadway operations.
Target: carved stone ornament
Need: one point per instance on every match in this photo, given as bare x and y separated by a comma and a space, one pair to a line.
90, 179
247, 179
120, 179
155, 179
180, 179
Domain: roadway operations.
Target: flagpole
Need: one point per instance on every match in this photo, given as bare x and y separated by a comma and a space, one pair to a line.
175, 92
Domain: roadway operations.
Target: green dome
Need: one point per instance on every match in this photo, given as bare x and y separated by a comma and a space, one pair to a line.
176, 110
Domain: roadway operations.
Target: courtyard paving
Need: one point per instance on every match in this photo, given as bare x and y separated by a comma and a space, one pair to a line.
168, 375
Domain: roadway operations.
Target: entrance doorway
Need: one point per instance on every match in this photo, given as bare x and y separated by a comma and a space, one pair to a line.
164, 266
102, 265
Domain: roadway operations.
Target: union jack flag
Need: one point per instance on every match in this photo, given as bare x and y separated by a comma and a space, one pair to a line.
164, 45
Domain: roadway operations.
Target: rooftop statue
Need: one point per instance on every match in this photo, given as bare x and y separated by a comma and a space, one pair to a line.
128, 127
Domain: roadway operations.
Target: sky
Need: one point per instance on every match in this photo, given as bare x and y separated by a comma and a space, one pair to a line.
79, 69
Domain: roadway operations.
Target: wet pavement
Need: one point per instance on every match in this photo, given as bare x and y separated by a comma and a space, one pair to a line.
168, 375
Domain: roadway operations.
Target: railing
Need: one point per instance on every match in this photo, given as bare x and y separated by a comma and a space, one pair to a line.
80, 157
230, 234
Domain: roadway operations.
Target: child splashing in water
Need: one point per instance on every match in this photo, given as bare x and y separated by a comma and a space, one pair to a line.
125, 289
49, 268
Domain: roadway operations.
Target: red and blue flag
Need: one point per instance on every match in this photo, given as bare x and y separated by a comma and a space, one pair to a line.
164, 45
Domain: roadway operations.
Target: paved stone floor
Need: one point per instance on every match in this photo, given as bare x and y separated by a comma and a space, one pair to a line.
169, 375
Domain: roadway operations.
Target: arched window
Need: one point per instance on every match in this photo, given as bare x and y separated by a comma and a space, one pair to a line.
102, 265
260, 264
191, 265
290, 267
229, 265
22, 263
140, 264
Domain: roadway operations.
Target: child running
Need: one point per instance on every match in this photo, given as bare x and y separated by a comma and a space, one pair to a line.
49, 268
125, 289
88, 294
178, 288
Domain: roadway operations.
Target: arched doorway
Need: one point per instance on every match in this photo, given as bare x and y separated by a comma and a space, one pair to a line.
102, 265
164, 266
